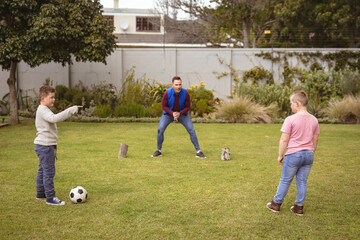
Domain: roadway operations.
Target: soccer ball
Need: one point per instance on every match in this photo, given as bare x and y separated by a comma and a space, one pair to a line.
78, 194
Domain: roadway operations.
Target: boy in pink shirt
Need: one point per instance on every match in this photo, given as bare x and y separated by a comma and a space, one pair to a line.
299, 139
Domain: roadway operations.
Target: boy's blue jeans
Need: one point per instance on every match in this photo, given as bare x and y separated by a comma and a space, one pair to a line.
298, 164
185, 120
46, 172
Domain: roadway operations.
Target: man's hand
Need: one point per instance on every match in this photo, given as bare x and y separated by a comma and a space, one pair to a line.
176, 115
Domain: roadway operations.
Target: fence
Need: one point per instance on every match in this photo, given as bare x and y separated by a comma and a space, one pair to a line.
191, 64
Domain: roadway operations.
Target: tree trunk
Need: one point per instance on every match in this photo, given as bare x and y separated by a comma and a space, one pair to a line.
14, 114
246, 32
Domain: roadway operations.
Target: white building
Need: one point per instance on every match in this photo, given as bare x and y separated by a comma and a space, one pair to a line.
136, 25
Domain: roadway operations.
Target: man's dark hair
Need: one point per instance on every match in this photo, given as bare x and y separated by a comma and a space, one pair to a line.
176, 78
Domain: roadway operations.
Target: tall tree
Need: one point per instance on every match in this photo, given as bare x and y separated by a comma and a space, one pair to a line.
42, 31
240, 20
318, 23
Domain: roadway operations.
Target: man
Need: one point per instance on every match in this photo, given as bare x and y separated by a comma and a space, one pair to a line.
176, 105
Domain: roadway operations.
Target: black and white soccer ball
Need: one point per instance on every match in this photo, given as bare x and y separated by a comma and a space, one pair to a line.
78, 194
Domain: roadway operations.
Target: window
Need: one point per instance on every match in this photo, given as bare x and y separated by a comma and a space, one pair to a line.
148, 24
110, 20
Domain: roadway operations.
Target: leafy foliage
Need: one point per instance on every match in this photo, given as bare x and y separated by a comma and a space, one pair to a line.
267, 95
258, 75
303, 23
134, 90
43, 31
202, 99
320, 86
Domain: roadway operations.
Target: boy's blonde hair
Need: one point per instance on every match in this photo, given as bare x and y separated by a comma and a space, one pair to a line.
300, 96
45, 90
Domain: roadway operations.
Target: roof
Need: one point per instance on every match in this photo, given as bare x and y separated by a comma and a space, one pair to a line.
130, 11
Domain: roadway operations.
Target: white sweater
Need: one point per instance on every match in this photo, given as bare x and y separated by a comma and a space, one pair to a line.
45, 123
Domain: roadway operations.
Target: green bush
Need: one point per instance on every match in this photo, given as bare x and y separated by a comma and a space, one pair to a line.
134, 90
130, 110
202, 100
349, 82
320, 86
267, 95
104, 93
61, 105
202, 107
155, 110
103, 111
156, 90
82, 99
244, 110
60, 91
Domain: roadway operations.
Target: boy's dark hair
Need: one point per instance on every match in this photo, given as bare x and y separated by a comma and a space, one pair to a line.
45, 90
301, 96
176, 78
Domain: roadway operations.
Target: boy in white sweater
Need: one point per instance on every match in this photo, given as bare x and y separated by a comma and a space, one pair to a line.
46, 142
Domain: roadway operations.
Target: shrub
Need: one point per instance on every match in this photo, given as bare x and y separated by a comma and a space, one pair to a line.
267, 95
346, 110
70, 93
103, 111
104, 93
4, 104
60, 91
130, 110
349, 82
243, 110
155, 110
82, 99
61, 105
156, 90
202, 99
134, 90
320, 86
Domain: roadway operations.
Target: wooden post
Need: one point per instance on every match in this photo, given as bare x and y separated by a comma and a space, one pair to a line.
123, 150
225, 154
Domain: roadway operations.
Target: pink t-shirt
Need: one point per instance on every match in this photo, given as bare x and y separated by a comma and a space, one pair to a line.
302, 128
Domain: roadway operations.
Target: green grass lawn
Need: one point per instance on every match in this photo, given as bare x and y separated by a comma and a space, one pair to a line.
177, 196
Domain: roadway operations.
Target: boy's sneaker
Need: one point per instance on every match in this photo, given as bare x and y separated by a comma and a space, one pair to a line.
200, 155
40, 196
298, 210
273, 206
157, 153
54, 201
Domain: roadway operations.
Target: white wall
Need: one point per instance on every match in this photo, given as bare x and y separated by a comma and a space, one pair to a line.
191, 64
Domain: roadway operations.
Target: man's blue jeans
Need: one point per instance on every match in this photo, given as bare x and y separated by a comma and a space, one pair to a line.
185, 120
298, 164
46, 172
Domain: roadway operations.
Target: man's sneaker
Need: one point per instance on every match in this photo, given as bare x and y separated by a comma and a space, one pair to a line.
298, 210
157, 153
273, 206
200, 155
54, 201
